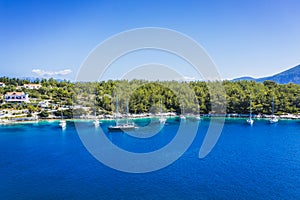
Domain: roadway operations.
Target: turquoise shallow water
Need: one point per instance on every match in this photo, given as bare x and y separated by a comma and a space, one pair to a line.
40, 161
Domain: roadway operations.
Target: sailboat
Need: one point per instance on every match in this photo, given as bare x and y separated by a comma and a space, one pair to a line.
63, 123
162, 119
121, 127
182, 117
250, 120
197, 117
96, 121
273, 119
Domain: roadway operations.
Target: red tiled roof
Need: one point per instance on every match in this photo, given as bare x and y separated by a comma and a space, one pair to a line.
15, 93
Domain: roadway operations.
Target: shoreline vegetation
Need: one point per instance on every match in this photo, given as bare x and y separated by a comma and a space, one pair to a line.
155, 117
49, 99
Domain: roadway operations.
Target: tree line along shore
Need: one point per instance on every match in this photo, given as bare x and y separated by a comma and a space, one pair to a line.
51, 97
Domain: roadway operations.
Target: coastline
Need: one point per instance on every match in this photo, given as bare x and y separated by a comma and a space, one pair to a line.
188, 117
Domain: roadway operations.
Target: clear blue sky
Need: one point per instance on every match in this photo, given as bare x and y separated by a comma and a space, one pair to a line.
243, 37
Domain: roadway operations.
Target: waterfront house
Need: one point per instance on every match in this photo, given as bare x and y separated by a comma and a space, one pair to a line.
32, 86
16, 97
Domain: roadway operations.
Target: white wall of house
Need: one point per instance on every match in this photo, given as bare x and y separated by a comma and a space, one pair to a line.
32, 86
16, 97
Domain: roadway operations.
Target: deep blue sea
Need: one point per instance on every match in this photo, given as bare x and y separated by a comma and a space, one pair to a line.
41, 161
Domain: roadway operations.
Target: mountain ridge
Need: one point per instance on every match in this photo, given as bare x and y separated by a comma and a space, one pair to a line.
291, 75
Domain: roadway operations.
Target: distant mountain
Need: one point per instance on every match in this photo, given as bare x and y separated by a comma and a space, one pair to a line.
289, 76
32, 79
245, 78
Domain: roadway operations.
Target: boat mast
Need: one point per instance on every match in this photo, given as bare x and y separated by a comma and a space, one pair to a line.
160, 107
182, 103
127, 110
117, 109
95, 109
250, 106
199, 109
61, 112
273, 106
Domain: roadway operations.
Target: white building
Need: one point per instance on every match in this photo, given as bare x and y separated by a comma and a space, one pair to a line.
32, 86
16, 97
2, 84
44, 104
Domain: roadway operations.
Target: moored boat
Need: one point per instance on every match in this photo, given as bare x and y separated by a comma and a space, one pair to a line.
63, 123
250, 121
274, 119
121, 127
162, 119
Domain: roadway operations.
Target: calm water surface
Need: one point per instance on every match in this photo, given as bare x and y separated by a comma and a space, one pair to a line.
40, 161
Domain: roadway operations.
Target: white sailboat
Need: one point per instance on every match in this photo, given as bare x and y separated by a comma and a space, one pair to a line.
182, 117
197, 117
162, 119
128, 124
273, 119
250, 120
121, 127
96, 121
63, 123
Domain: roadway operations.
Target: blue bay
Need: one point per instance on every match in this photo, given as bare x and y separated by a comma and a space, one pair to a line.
41, 161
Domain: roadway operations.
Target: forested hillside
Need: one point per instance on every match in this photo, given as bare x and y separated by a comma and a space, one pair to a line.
144, 96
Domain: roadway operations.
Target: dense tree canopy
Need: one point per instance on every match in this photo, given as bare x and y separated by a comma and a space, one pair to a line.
144, 96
